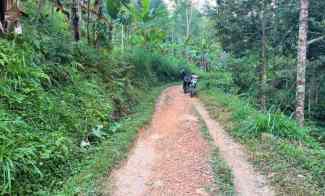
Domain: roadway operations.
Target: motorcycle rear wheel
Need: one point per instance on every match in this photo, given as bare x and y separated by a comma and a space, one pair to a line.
192, 92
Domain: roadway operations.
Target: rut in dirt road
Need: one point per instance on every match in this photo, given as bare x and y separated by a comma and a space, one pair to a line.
247, 181
171, 158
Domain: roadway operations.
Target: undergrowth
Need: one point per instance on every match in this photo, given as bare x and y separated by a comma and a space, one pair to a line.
292, 160
103, 158
51, 105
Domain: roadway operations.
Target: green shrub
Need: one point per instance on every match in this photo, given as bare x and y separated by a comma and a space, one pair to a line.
47, 109
55, 93
252, 123
220, 80
41, 140
140, 61
293, 158
275, 123
149, 67
27, 155
166, 67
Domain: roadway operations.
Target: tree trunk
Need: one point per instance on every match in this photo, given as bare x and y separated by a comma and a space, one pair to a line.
2, 16
40, 7
2, 10
94, 27
110, 35
189, 13
75, 19
122, 37
98, 6
263, 74
302, 59
317, 93
312, 89
88, 21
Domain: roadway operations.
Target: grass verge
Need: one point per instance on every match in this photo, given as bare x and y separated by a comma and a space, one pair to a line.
293, 162
103, 158
222, 174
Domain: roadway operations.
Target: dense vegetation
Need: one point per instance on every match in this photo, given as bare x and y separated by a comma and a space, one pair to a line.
284, 152
82, 78
60, 98
251, 86
251, 89
260, 39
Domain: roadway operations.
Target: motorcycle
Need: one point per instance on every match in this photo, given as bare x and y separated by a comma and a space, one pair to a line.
193, 85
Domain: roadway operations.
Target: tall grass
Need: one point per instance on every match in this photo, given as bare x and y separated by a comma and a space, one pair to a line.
286, 153
101, 159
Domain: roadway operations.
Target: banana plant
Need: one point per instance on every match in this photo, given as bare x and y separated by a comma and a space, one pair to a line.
115, 6
145, 14
145, 10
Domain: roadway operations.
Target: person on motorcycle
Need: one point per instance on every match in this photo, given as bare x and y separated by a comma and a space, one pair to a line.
186, 80
183, 74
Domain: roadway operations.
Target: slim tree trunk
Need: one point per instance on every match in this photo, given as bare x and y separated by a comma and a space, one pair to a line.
2, 16
309, 102
187, 25
126, 35
2, 10
189, 13
312, 89
317, 93
88, 21
263, 74
1, 28
75, 19
110, 35
98, 5
40, 6
122, 37
302, 59
94, 27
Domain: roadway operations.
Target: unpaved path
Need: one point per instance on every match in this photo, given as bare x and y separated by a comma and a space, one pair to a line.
170, 158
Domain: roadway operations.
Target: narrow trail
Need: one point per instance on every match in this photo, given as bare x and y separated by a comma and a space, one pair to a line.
170, 157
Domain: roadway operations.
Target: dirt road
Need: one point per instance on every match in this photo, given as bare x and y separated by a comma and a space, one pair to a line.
170, 157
